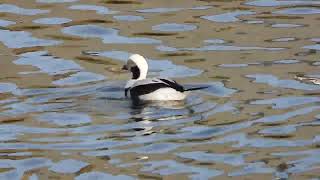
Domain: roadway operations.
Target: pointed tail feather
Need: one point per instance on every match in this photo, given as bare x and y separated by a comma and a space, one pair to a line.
196, 88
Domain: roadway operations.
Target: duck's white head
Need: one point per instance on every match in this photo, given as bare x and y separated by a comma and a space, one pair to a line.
138, 66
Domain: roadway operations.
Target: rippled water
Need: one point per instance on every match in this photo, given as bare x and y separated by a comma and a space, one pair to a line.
63, 113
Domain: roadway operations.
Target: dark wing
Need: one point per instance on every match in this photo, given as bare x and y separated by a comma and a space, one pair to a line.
173, 84
151, 85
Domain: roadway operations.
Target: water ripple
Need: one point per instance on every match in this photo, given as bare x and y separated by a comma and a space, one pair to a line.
161, 67
52, 21
271, 3
173, 27
108, 35
276, 82
227, 17
20, 39
85, 7
10, 8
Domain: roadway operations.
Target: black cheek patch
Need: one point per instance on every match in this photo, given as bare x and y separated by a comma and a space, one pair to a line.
135, 72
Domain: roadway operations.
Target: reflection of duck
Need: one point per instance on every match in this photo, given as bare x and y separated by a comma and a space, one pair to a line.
151, 89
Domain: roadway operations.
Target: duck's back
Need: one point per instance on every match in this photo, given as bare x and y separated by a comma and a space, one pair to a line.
157, 89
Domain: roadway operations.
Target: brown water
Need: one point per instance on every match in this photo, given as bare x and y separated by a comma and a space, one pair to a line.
62, 108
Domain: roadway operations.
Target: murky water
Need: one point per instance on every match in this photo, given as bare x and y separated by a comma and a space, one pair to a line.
63, 113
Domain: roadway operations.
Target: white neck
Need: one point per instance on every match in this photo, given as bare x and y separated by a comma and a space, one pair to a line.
130, 83
143, 73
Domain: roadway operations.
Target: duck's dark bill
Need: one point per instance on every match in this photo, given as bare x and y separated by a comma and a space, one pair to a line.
124, 67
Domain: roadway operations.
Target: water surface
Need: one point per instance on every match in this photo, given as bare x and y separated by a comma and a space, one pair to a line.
64, 114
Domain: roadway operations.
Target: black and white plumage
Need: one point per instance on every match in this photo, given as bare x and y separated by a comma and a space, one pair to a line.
139, 87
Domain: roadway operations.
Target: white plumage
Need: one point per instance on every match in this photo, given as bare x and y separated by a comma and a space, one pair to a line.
164, 94
139, 87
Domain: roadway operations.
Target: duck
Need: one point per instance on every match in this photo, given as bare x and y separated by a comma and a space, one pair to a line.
141, 88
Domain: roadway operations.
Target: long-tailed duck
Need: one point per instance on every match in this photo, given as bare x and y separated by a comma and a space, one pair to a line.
139, 87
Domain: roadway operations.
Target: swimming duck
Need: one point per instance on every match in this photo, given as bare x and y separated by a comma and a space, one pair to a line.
139, 87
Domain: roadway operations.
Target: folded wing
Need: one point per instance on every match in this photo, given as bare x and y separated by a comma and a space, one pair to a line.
147, 86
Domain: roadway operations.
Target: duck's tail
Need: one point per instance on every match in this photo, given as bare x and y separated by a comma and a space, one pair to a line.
196, 88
